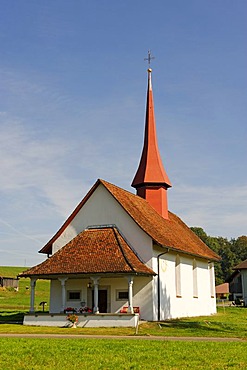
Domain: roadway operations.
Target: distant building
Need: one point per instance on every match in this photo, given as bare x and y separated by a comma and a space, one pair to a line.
8, 282
222, 291
238, 283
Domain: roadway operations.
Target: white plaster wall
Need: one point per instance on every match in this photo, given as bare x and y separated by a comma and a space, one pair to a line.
142, 294
55, 296
78, 285
101, 209
143, 297
70, 284
186, 305
84, 321
145, 291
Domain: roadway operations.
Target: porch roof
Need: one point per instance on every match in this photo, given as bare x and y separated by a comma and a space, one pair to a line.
100, 250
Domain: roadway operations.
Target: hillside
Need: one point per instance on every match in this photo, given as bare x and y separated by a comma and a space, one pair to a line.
12, 300
11, 271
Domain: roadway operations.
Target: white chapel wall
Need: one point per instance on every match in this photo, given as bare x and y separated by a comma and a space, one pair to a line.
101, 209
186, 302
55, 296
70, 285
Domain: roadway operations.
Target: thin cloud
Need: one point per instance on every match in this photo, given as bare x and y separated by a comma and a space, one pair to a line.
20, 233
221, 211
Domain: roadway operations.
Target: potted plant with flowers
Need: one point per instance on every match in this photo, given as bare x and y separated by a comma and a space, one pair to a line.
73, 319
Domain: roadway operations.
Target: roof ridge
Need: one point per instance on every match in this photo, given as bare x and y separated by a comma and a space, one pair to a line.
173, 233
122, 198
121, 248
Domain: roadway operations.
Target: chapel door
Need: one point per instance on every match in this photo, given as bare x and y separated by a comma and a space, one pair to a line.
102, 300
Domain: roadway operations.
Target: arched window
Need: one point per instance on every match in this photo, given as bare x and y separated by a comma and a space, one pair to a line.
195, 282
178, 276
211, 278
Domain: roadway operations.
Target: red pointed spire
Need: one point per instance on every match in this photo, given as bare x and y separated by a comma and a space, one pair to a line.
151, 180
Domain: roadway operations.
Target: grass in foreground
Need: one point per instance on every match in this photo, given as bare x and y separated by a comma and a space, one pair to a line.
50, 354
231, 322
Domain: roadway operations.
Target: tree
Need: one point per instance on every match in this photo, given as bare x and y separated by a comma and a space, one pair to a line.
231, 252
239, 248
214, 245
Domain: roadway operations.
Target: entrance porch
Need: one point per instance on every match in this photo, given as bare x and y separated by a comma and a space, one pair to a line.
97, 301
79, 293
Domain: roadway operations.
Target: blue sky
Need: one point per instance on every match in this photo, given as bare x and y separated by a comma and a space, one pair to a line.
72, 105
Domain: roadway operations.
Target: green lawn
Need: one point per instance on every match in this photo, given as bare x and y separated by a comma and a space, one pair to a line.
50, 354
12, 300
231, 322
81, 353
11, 271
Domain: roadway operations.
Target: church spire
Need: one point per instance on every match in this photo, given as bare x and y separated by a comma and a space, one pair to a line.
151, 181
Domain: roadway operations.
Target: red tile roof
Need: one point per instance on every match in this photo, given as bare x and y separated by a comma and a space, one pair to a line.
171, 233
222, 288
100, 250
242, 265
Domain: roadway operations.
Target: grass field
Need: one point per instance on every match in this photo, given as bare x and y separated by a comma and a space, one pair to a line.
82, 353
10, 271
89, 354
228, 322
12, 300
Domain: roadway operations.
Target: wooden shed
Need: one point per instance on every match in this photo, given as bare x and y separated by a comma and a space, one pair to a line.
8, 282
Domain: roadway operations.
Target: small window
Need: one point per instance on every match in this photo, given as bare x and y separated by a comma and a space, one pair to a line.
122, 295
74, 295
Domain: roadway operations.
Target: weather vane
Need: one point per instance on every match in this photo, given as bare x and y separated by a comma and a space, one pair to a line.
149, 58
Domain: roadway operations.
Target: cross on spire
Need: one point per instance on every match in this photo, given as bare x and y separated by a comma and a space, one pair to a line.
149, 58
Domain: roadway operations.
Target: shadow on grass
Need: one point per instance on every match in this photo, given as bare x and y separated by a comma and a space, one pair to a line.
11, 317
195, 326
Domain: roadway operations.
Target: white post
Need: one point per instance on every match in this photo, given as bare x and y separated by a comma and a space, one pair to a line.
96, 294
32, 296
130, 285
63, 281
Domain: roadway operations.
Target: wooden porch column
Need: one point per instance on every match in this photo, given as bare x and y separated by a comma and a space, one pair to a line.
63, 281
130, 286
32, 295
96, 294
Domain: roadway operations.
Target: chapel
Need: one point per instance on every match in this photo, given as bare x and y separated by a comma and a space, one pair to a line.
122, 253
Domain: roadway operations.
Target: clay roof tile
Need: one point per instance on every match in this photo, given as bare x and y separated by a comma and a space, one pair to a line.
96, 250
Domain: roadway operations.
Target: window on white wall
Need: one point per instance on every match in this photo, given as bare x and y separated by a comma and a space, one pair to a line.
122, 295
178, 276
195, 281
211, 277
73, 295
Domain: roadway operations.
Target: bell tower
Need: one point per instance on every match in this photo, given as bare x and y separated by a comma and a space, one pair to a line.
151, 181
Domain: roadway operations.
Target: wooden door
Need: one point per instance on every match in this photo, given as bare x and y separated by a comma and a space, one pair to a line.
102, 298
